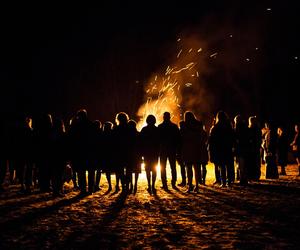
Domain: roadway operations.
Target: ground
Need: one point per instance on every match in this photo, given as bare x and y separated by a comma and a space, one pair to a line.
264, 215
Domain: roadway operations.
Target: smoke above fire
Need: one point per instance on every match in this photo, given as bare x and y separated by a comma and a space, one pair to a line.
180, 86
217, 70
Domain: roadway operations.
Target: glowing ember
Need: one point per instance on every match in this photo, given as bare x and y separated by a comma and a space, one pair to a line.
179, 53
214, 55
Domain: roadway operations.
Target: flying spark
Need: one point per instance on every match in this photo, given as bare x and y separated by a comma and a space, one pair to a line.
179, 53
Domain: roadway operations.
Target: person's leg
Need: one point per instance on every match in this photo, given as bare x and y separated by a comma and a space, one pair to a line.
282, 172
197, 169
123, 180
223, 174
129, 181
172, 160
98, 179
163, 164
75, 177
20, 171
28, 175
153, 181
108, 178
91, 180
204, 172
136, 175
148, 174
217, 174
11, 169
3, 169
199, 174
298, 163
190, 176
82, 180
243, 171
117, 181
183, 173
230, 171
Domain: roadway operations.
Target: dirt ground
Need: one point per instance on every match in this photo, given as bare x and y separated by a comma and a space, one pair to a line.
264, 215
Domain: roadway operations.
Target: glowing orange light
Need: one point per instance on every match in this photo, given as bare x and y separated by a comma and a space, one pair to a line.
157, 167
164, 90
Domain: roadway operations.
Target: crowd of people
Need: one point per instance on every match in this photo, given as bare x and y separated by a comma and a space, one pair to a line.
44, 153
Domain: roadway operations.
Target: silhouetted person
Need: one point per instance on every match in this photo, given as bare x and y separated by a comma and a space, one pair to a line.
59, 156
72, 150
28, 143
270, 147
221, 144
107, 148
150, 150
169, 143
242, 148
43, 131
282, 150
122, 142
255, 137
4, 140
96, 140
81, 133
212, 156
22, 157
134, 166
204, 155
296, 145
194, 150
179, 157
3, 168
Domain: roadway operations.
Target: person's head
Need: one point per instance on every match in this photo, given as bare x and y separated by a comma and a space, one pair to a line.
59, 125
97, 124
221, 117
167, 116
44, 122
189, 116
132, 124
237, 119
151, 120
297, 127
28, 122
107, 126
122, 118
82, 114
181, 124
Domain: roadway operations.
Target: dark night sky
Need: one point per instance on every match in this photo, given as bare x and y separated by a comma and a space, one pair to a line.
60, 58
